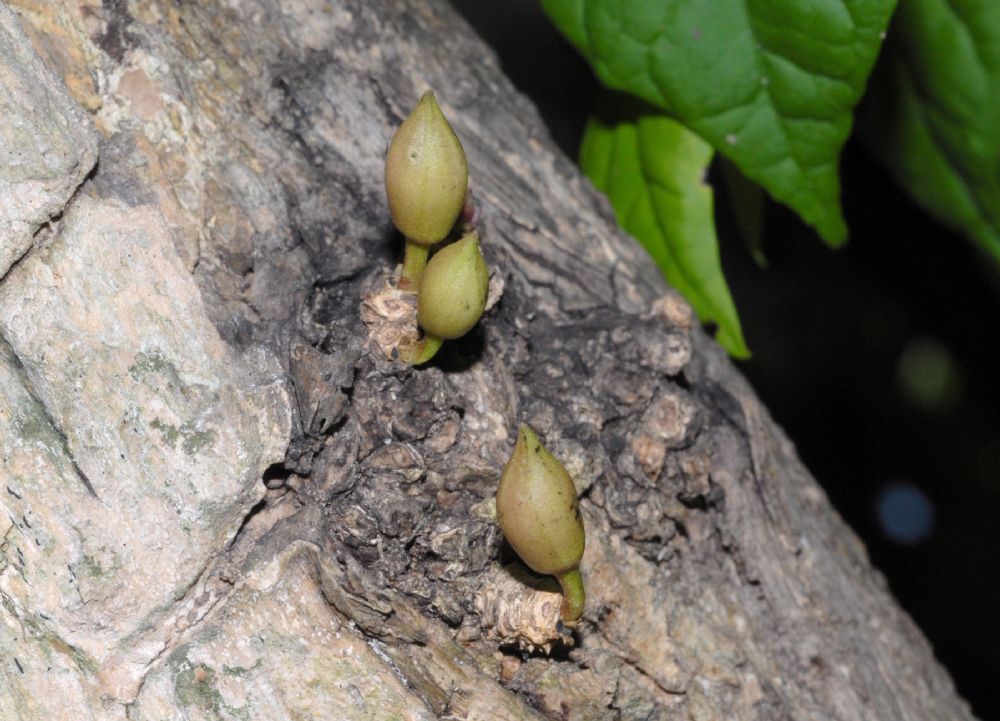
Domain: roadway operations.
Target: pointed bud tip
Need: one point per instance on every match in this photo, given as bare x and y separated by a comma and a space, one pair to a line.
527, 436
428, 105
468, 244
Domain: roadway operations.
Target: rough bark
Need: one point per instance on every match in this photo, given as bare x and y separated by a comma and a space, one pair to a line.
221, 500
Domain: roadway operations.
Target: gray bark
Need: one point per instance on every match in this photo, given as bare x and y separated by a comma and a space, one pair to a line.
222, 501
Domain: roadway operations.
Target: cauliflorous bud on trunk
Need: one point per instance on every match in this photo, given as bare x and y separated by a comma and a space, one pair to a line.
426, 176
539, 515
453, 289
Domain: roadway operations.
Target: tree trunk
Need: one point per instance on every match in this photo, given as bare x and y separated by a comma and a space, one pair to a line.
221, 500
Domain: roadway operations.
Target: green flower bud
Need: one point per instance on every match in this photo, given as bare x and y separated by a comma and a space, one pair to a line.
539, 515
453, 289
426, 175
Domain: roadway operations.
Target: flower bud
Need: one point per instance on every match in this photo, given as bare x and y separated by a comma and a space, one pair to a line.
539, 515
453, 289
426, 175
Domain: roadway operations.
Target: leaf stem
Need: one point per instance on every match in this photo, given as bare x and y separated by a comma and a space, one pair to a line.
425, 350
414, 260
574, 597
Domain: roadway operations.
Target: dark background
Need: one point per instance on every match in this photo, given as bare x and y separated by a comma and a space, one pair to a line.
880, 360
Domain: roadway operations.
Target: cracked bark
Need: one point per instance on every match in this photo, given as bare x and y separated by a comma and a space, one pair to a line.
721, 584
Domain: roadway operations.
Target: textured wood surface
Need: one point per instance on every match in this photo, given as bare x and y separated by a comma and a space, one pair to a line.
721, 584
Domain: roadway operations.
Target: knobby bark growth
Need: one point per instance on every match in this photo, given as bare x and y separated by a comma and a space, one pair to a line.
222, 500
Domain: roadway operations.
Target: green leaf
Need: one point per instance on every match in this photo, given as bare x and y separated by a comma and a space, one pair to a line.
934, 113
769, 83
653, 170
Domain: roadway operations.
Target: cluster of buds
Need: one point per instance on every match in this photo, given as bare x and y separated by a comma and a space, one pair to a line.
426, 183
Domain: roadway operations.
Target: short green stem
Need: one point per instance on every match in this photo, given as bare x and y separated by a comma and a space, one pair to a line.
573, 596
425, 350
414, 260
